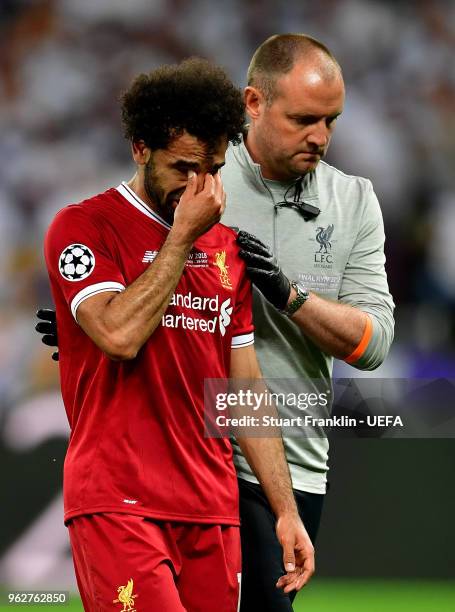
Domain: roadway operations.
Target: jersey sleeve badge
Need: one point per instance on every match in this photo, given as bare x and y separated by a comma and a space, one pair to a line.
76, 262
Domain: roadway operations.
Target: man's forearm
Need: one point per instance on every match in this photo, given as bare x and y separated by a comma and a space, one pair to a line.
335, 328
265, 455
267, 460
130, 317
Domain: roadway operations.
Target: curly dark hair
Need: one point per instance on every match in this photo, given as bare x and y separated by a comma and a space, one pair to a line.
194, 95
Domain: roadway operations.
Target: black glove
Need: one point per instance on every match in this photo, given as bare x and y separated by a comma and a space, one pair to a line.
48, 327
264, 270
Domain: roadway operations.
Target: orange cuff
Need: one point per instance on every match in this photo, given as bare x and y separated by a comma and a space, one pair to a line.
361, 347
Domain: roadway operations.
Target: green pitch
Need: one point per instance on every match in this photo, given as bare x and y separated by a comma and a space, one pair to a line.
324, 595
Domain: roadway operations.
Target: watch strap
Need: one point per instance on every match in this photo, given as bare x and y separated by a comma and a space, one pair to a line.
298, 301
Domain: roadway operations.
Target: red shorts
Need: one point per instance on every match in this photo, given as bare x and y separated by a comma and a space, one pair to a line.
129, 563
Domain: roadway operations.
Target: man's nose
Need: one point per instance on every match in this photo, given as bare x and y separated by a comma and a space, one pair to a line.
319, 135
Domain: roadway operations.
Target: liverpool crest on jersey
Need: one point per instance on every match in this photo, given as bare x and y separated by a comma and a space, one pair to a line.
220, 262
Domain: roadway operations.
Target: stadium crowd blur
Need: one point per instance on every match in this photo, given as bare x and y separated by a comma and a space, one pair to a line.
62, 66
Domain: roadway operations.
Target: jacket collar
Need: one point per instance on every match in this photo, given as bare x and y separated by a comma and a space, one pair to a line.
253, 174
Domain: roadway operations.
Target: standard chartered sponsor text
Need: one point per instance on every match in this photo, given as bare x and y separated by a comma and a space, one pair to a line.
204, 304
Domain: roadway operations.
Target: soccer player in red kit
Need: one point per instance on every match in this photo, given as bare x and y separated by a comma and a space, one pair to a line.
151, 298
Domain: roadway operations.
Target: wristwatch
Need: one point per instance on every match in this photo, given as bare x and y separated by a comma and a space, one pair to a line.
302, 296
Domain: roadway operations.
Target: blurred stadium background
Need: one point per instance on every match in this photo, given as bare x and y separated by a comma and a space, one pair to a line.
387, 538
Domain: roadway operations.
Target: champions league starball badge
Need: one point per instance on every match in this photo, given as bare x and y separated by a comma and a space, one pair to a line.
76, 262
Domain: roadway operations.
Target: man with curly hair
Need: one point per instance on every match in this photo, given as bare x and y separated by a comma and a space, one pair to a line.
151, 298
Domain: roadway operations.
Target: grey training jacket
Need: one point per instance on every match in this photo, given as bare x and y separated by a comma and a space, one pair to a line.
339, 255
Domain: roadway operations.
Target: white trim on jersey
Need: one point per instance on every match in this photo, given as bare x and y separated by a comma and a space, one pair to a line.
136, 201
93, 290
241, 341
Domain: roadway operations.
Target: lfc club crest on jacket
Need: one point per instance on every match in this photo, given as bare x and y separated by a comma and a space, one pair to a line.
323, 257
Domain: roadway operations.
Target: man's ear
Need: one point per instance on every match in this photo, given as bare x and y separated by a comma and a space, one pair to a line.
140, 151
254, 101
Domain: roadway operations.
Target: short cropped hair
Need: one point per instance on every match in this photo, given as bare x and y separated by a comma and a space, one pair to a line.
277, 56
194, 95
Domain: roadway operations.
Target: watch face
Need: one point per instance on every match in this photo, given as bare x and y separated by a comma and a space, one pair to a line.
300, 288
301, 291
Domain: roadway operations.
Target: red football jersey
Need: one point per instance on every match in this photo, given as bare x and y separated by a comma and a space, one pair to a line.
137, 440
